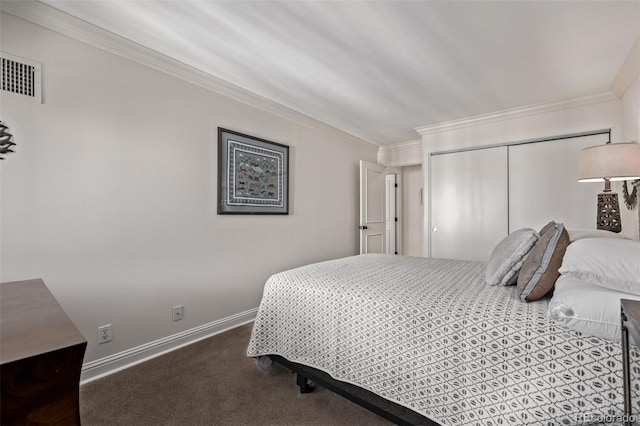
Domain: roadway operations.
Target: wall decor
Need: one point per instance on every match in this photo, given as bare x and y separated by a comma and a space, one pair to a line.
630, 198
5, 141
253, 175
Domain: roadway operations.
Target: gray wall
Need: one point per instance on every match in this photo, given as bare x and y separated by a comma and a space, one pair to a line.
111, 194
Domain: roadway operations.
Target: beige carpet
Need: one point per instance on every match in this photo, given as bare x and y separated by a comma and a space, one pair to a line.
212, 382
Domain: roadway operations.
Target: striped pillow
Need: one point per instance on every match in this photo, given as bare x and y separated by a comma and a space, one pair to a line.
540, 269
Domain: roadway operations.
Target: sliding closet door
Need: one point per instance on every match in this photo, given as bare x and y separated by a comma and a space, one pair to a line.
543, 184
468, 203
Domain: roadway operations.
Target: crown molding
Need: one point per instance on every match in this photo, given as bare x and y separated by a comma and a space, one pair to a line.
402, 146
401, 154
519, 112
53, 19
628, 72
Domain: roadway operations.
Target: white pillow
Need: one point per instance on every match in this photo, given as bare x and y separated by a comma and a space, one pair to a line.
608, 262
578, 234
507, 257
587, 307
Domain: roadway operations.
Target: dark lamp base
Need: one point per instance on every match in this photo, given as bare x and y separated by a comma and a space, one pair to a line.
609, 212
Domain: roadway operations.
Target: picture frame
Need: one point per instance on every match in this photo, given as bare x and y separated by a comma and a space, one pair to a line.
253, 175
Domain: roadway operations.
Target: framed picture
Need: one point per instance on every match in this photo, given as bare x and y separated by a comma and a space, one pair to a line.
253, 175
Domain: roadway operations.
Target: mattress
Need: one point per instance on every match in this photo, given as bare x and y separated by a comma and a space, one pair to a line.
430, 335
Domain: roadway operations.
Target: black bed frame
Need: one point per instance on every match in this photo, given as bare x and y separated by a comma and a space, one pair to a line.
393, 412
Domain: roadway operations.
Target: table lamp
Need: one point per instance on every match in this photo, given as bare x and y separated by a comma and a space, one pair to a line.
607, 163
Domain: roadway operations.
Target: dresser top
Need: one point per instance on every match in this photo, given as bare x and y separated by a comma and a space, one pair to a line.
32, 322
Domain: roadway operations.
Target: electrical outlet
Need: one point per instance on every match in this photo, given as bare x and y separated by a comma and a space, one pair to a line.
104, 333
177, 312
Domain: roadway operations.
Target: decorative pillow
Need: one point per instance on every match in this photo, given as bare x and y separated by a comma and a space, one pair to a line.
548, 227
608, 262
579, 234
587, 308
507, 257
540, 269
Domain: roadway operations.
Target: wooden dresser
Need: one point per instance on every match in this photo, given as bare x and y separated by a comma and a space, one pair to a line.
41, 354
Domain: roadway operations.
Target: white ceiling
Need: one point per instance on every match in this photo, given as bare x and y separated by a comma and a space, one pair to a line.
380, 69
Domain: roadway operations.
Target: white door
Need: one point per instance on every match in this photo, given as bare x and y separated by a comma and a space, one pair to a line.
390, 215
372, 208
543, 184
468, 203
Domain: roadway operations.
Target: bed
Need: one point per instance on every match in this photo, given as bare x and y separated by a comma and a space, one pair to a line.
431, 335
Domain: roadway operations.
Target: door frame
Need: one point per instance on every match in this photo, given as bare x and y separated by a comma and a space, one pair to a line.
398, 209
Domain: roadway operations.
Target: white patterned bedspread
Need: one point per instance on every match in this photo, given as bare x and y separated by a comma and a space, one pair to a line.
430, 335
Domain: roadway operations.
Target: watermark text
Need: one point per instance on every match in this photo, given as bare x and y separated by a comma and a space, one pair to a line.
598, 418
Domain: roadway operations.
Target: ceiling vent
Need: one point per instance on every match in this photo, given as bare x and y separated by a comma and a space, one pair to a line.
21, 76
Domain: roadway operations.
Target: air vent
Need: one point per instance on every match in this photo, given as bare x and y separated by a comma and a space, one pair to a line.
21, 76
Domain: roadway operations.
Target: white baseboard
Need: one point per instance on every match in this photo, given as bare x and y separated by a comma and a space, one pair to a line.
108, 365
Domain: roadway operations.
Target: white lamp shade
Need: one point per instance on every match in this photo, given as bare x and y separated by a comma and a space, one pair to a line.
616, 161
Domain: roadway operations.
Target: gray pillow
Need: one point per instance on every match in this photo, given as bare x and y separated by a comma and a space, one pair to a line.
540, 269
507, 257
